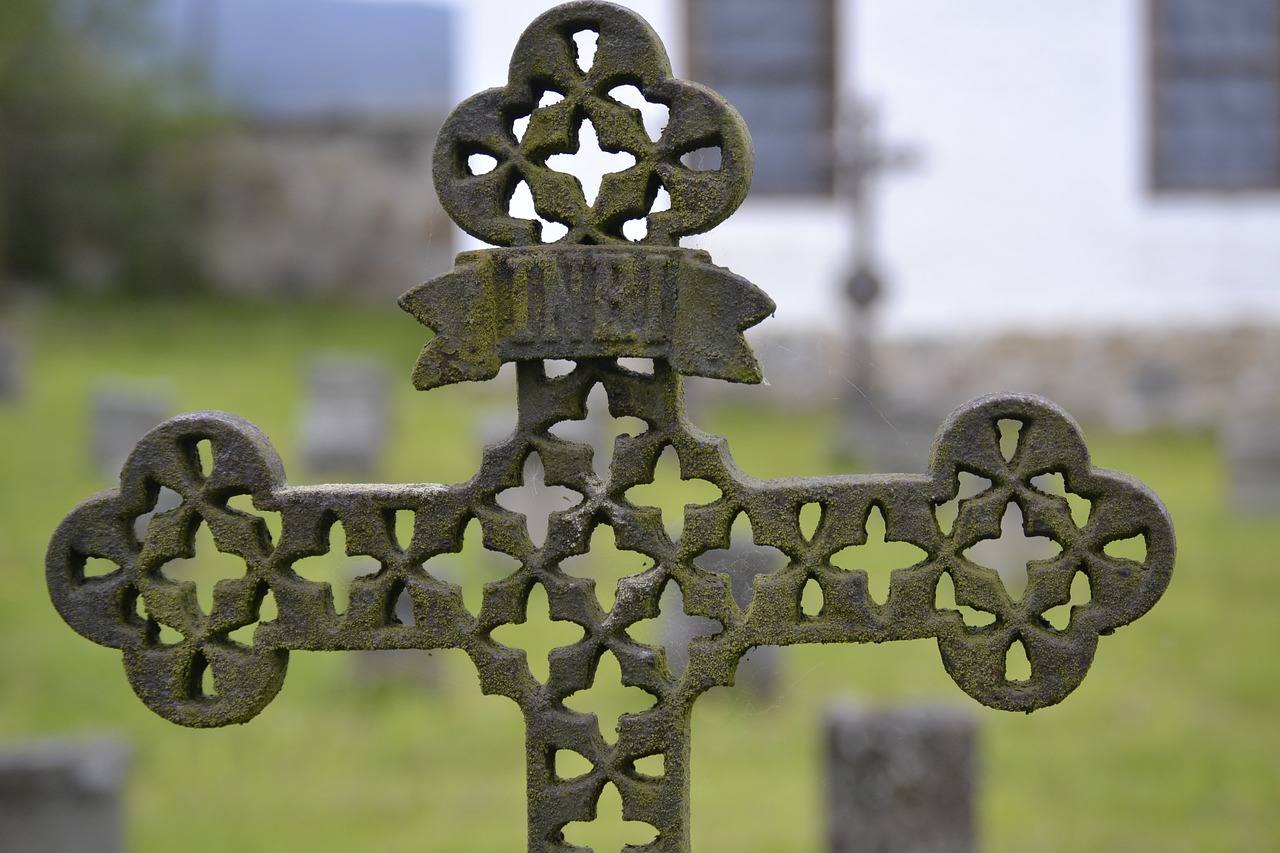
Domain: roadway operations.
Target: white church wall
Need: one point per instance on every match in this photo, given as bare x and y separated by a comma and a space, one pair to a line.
1032, 204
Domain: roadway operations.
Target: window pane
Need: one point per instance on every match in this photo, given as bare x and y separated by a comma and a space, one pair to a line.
1217, 94
772, 59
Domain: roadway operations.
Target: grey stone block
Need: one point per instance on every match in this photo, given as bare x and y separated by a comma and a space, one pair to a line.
121, 416
901, 780
346, 415
1251, 445
62, 797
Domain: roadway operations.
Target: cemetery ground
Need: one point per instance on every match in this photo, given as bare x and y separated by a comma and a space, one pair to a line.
1170, 744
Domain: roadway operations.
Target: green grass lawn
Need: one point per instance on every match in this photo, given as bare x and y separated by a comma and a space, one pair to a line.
1172, 743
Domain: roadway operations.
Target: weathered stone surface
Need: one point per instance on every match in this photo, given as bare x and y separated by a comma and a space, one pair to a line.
590, 318
1130, 380
328, 208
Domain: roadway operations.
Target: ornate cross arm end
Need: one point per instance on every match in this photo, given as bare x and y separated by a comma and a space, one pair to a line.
1050, 462
548, 86
125, 605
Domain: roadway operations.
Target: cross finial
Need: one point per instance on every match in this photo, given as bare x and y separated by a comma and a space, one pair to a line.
545, 62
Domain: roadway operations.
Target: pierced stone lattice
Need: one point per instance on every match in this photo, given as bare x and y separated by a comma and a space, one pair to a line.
595, 303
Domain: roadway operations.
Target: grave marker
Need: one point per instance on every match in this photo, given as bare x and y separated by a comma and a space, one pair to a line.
345, 418
886, 434
875, 428
121, 416
597, 296
1251, 444
12, 366
900, 780
62, 797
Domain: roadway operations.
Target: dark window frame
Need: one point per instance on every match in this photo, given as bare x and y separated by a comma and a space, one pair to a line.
830, 82
1161, 183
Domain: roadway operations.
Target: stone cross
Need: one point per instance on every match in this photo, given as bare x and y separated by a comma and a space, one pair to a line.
595, 296
862, 156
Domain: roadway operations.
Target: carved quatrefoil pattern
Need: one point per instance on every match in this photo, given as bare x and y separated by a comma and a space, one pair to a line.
222, 662
628, 53
124, 608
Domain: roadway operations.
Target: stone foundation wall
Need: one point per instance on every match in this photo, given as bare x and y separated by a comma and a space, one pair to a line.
1131, 381
330, 209
1135, 380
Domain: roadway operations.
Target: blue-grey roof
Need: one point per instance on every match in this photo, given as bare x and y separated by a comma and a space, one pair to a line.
288, 59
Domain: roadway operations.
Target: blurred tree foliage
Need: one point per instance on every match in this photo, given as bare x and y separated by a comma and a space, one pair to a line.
106, 151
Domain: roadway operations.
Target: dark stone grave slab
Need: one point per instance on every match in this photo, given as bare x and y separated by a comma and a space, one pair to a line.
121, 416
900, 780
346, 415
1251, 444
62, 797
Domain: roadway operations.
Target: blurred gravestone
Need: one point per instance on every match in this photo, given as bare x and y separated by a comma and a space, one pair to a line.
760, 669
1251, 444
775, 61
900, 780
1017, 548
121, 416
1151, 398
62, 797
345, 415
11, 366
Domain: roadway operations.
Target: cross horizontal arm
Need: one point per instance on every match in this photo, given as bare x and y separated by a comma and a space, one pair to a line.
106, 608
